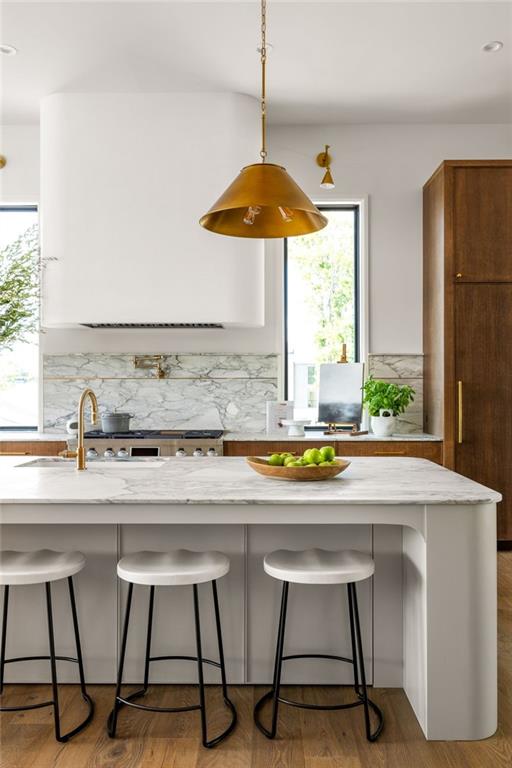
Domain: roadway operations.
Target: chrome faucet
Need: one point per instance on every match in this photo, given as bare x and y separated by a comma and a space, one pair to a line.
80, 452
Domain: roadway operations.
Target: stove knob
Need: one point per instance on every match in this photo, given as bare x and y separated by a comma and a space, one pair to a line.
122, 453
92, 453
198, 452
211, 452
181, 452
109, 453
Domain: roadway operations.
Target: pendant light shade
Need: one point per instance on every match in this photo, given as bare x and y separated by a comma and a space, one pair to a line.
263, 201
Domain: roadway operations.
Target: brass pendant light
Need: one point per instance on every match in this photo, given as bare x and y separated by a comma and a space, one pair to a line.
263, 201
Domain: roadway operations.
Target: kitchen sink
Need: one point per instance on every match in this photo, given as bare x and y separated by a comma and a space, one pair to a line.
131, 463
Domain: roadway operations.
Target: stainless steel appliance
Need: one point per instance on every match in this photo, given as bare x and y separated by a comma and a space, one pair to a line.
153, 442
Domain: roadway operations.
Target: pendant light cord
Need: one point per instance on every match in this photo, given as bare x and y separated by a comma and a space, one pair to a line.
263, 152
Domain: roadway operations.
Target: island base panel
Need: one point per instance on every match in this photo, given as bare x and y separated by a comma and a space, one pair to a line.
450, 622
249, 603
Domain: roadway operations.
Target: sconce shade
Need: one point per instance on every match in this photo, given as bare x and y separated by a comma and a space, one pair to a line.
327, 181
263, 202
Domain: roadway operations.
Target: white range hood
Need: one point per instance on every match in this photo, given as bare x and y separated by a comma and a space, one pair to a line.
124, 181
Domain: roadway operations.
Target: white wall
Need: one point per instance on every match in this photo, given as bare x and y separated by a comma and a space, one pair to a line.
19, 179
388, 163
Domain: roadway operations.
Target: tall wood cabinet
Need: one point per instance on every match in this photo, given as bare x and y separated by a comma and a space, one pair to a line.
467, 330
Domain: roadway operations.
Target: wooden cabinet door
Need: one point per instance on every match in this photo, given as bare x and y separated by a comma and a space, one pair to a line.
483, 366
482, 223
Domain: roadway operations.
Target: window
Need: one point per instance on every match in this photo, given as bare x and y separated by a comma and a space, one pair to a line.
321, 303
19, 316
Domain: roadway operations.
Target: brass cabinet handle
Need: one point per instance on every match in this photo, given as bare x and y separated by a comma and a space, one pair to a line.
458, 275
459, 404
14, 453
389, 453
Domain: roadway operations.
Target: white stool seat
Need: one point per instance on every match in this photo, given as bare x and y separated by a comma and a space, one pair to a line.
39, 566
319, 566
179, 567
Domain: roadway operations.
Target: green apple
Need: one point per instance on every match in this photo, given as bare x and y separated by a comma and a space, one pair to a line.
294, 464
325, 464
288, 460
313, 456
327, 452
276, 460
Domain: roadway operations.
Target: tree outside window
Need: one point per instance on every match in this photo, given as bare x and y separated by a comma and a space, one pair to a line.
19, 317
322, 304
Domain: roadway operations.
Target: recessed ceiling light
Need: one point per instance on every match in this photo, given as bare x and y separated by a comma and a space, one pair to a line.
493, 46
8, 50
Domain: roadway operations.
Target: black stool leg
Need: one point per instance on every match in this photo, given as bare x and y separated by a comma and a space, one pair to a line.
4, 637
278, 664
202, 702
222, 666
77, 636
219, 641
53, 665
364, 694
112, 720
148, 638
355, 663
79, 660
279, 658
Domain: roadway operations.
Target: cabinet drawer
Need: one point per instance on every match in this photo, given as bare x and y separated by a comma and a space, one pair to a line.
32, 447
264, 447
420, 449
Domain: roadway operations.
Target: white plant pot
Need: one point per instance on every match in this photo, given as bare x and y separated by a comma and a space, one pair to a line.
382, 426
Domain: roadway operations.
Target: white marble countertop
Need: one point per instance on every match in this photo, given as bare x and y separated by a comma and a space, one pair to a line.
18, 436
29, 437
319, 436
229, 480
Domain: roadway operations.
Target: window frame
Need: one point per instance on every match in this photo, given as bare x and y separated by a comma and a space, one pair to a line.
21, 208
360, 329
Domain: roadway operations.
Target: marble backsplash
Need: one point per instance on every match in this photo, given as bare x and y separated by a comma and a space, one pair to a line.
402, 369
198, 391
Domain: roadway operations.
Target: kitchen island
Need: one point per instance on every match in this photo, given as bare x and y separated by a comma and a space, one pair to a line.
429, 618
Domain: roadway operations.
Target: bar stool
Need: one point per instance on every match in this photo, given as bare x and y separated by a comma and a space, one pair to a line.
319, 566
177, 568
43, 567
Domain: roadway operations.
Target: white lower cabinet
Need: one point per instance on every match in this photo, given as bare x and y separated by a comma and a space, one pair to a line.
317, 619
96, 600
249, 603
173, 618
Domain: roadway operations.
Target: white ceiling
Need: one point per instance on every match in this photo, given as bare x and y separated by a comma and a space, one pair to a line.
343, 62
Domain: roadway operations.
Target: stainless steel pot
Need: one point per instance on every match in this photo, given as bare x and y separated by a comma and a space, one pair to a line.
116, 421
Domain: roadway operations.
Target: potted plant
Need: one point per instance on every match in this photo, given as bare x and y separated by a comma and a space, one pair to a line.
385, 402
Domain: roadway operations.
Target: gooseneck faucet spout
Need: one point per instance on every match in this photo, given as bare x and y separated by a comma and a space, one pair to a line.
86, 394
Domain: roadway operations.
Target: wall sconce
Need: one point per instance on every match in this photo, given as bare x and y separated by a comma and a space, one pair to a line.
324, 161
3, 161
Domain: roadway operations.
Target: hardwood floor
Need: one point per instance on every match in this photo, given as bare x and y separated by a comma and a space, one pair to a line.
307, 739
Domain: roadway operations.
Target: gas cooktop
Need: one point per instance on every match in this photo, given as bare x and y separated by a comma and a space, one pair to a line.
160, 434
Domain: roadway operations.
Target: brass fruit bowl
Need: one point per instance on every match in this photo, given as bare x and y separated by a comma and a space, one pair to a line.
296, 473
